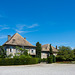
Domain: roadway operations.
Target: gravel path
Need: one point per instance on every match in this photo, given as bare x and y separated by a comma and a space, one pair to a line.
39, 69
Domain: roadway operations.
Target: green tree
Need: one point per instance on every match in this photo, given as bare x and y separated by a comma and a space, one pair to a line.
23, 51
38, 50
51, 52
73, 54
2, 52
65, 53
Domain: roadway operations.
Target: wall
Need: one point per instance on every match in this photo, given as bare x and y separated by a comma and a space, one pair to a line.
43, 55
12, 50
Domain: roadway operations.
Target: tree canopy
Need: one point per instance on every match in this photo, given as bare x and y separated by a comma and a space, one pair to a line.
66, 53
2, 52
51, 51
38, 50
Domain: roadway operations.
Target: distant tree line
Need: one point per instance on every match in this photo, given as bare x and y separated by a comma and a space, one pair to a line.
66, 54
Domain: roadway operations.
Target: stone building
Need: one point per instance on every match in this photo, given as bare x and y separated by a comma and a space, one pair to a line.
18, 40
45, 51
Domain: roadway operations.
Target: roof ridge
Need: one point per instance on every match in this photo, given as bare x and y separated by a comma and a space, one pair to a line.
20, 40
9, 40
45, 44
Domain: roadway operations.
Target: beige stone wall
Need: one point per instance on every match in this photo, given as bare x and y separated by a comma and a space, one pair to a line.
13, 51
55, 54
8, 52
43, 55
32, 51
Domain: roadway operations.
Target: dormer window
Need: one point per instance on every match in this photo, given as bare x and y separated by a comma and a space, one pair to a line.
13, 41
46, 47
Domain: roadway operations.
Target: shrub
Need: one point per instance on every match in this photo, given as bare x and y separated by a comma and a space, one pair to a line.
69, 59
39, 60
24, 56
60, 58
54, 59
18, 61
50, 59
44, 60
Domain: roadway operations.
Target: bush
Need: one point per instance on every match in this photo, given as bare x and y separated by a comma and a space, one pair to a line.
39, 60
60, 58
70, 59
44, 60
6, 61
54, 59
50, 59
18, 61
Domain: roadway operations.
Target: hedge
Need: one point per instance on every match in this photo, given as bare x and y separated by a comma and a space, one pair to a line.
18, 61
54, 59
62, 58
44, 60
51, 59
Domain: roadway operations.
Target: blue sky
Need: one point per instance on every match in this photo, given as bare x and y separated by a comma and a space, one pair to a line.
46, 21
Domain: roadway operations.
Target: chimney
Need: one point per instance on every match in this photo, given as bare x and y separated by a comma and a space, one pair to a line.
56, 47
25, 38
9, 37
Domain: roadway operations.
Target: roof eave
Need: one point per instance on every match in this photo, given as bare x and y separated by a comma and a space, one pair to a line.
16, 45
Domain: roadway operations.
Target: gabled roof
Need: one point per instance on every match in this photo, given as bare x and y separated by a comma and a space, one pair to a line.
18, 40
46, 47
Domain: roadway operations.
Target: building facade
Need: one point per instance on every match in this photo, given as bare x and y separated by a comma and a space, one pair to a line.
18, 40
45, 51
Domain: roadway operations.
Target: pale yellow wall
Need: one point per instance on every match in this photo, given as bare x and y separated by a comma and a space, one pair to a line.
43, 55
32, 53
55, 54
14, 51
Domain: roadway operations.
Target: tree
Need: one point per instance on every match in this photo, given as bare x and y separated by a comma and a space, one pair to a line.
51, 52
51, 58
65, 53
23, 51
38, 50
2, 52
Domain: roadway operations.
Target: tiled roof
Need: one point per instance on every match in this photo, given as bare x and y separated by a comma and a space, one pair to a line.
17, 39
46, 47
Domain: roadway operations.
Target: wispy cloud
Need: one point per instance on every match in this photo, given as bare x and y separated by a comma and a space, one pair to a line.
62, 43
20, 31
3, 36
32, 26
21, 28
4, 27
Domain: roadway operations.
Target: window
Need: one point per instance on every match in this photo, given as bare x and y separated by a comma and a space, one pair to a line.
10, 50
13, 40
43, 54
46, 47
32, 51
